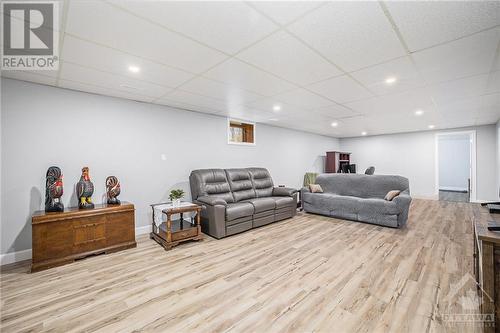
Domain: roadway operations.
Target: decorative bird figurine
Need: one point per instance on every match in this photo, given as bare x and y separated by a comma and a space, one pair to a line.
112, 190
53, 190
84, 190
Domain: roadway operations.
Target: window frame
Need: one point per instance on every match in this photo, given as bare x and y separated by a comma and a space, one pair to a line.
228, 130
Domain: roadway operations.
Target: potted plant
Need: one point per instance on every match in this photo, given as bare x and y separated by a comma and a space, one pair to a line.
175, 196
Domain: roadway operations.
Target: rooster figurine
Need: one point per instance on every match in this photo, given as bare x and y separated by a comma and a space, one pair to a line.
112, 190
53, 190
84, 190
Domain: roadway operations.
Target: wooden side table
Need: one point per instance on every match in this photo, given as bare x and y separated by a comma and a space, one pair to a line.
173, 232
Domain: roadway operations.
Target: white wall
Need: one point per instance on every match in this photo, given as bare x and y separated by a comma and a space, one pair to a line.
454, 162
44, 126
413, 155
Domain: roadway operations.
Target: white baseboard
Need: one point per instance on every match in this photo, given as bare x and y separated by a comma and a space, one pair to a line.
12, 257
143, 230
453, 188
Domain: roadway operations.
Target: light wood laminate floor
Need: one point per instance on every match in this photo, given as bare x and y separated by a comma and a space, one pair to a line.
309, 273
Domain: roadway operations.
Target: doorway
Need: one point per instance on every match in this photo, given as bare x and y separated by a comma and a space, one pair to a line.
456, 166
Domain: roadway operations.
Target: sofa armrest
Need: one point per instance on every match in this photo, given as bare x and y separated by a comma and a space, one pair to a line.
213, 219
403, 201
305, 189
284, 191
212, 201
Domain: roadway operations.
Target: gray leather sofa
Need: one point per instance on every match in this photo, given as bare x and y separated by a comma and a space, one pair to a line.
360, 198
236, 200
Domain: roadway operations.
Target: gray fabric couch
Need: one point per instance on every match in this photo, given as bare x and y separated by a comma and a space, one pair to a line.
360, 198
236, 200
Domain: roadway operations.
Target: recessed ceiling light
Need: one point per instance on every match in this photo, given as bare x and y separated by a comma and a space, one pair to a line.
431, 126
134, 69
419, 112
391, 80
273, 119
364, 133
277, 108
335, 124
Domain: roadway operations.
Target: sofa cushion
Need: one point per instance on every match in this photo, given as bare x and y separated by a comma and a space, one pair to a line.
262, 204
362, 186
282, 202
238, 209
240, 183
262, 182
375, 206
333, 203
210, 182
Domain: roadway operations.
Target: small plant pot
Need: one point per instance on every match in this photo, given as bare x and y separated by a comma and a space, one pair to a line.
176, 202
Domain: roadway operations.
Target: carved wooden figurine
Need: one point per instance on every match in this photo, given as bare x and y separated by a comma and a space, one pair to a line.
53, 190
84, 190
112, 190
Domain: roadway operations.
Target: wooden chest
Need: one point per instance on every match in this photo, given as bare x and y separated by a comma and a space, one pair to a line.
487, 267
60, 238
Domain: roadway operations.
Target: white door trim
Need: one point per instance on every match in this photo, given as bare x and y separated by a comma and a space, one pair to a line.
473, 160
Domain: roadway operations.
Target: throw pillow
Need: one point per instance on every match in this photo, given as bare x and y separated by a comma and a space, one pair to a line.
391, 195
315, 188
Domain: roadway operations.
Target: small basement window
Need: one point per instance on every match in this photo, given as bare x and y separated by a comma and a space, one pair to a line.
239, 132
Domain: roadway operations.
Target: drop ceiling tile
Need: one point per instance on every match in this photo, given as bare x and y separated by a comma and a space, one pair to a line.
465, 57
31, 77
402, 69
106, 59
493, 82
85, 75
251, 115
401, 122
286, 57
405, 103
451, 119
458, 89
496, 66
489, 109
106, 91
228, 26
340, 89
304, 99
229, 94
493, 113
462, 105
186, 106
284, 12
353, 34
267, 105
487, 120
427, 23
243, 76
104, 24
490, 100
196, 100
334, 111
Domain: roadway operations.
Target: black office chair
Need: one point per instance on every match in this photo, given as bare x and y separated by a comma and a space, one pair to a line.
370, 171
